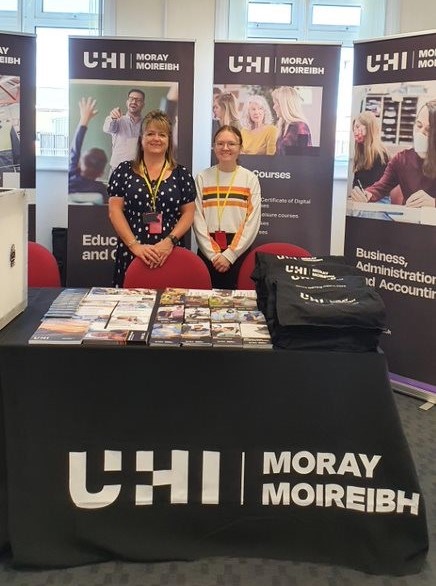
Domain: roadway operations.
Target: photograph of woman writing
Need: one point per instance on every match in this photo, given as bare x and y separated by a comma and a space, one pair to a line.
370, 155
151, 199
414, 170
227, 210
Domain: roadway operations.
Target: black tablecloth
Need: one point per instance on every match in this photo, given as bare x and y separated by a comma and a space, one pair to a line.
171, 453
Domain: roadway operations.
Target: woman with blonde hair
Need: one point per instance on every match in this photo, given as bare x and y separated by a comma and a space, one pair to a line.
413, 170
225, 109
151, 199
292, 126
259, 134
370, 155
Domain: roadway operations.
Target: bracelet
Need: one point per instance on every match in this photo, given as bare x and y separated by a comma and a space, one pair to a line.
131, 243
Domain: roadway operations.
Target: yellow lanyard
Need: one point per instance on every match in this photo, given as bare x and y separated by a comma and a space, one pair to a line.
221, 205
153, 191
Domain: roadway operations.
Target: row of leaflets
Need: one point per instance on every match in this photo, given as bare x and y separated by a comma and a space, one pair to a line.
173, 317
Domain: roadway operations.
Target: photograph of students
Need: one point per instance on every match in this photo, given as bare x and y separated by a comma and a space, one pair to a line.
225, 109
151, 199
215, 120
125, 128
370, 155
292, 126
259, 134
9, 125
85, 169
413, 170
227, 210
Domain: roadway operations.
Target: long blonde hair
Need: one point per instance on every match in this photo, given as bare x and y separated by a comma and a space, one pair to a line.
366, 153
229, 107
290, 104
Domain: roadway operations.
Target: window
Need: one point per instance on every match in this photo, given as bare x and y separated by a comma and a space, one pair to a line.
52, 21
9, 15
269, 19
320, 20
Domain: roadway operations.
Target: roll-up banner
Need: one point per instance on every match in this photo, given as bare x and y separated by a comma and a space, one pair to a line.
103, 71
292, 148
17, 116
391, 215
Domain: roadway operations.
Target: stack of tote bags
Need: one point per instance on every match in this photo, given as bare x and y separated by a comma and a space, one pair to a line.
318, 303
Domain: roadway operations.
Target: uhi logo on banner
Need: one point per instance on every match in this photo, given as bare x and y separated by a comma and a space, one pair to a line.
386, 62
275, 479
104, 60
249, 64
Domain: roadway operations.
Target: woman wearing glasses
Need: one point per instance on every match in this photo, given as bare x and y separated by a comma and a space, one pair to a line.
227, 210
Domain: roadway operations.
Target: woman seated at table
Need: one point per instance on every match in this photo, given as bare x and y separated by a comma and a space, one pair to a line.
414, 170
151, 203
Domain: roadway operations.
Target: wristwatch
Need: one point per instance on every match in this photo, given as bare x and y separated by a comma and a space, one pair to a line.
173, 239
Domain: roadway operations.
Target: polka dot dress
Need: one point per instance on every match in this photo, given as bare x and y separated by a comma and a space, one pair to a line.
175, 191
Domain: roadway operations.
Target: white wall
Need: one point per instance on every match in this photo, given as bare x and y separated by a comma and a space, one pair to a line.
201, 21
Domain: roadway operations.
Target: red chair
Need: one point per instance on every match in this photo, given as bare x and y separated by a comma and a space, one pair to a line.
183, 268
42, 267
244, 276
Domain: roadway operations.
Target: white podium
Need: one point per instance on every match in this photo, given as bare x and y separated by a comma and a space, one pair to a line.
13, 254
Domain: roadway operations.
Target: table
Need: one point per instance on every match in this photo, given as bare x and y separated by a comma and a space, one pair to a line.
171, 453
395, 212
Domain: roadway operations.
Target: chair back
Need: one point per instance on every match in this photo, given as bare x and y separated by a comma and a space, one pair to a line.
244, 276
42, 267
183, 268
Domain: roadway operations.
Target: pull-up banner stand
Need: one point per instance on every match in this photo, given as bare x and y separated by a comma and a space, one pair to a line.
17, 116
106, 70
392, 237
292, 153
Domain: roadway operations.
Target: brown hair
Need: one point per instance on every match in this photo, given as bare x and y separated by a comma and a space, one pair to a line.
94, 161
163, 123
429, 165
229, 128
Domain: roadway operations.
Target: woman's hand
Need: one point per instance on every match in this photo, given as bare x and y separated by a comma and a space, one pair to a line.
420, 199
358, 194
220, 263
147, 253
164, 248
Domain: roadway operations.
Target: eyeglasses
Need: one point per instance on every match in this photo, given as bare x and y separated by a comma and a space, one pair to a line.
230, 145
137, 100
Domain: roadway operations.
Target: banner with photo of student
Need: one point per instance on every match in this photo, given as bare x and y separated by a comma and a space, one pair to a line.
116, 78
391, 215
17, 115
291, 149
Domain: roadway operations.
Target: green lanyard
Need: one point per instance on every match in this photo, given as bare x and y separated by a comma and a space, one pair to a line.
153, 191
220, 206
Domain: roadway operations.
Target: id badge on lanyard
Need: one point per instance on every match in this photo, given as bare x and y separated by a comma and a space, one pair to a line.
220, 238
153, 219
156, 226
